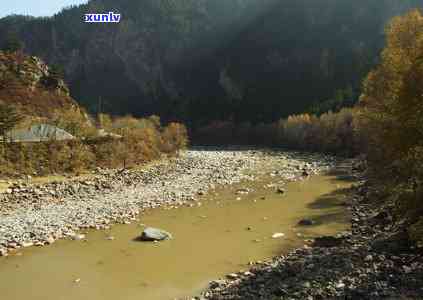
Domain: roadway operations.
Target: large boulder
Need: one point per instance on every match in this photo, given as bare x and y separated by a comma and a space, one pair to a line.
154, 234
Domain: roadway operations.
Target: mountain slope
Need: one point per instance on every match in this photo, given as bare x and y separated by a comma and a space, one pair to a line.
28, 83
199, 60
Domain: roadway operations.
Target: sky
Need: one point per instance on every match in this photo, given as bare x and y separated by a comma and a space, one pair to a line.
37, 8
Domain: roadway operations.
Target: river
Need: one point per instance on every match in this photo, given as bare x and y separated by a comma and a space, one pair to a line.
219, 235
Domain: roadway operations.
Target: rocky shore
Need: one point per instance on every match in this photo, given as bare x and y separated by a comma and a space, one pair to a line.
40, 214
375, 260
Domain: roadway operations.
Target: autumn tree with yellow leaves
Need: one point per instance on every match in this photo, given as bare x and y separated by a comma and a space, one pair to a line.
392, 117
392, 100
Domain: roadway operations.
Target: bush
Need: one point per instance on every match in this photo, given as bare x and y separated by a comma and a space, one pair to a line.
128, 142
392, 101
392, 107
331, 132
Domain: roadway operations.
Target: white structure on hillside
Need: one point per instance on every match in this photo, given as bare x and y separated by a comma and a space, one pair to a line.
39, 133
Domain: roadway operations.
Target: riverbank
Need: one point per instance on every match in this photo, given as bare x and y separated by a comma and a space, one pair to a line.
40, 214
375, 260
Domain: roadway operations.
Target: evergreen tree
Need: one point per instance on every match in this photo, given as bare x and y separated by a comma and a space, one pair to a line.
9, 118
12, 43
57, 71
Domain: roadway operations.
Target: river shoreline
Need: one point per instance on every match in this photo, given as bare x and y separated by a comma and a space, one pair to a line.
375, 260
40, 214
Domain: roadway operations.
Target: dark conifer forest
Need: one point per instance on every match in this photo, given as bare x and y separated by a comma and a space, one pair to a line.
202, 61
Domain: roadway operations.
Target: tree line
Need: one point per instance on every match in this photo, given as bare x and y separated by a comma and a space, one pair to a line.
386, 125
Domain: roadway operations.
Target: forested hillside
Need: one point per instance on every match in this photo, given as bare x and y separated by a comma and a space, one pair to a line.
36, 111
198, 61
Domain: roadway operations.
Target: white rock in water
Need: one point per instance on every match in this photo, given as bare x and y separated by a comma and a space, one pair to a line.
27, 244
154, 234
78, 237
278, 235
50, 240
3, 252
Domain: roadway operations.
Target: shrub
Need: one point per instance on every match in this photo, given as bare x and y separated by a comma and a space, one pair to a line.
392, 101
140, 140
331, 132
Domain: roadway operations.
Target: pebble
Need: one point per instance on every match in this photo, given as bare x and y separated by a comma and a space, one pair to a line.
232, 276
278, 235
27, 244
3, 252
79, 237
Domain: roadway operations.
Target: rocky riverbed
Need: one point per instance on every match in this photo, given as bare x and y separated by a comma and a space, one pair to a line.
40, 214
375, 260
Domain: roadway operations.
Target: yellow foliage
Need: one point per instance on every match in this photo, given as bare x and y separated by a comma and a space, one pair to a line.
73, 121
392, 99
105, 121
141, 140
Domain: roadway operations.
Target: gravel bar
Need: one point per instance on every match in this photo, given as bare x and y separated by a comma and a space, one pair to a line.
40, 214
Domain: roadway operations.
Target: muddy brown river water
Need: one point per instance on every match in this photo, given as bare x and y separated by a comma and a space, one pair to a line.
219, 237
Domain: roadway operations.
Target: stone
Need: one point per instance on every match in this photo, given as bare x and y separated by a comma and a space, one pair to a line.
78, 237
278, 235
216, 283
242, 191
368, 258
306, 222
3, 252
154, 234
340, 285
232, 276
50, 240
281, 190
27, 244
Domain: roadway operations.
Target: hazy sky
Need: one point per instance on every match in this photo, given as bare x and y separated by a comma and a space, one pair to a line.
35, 7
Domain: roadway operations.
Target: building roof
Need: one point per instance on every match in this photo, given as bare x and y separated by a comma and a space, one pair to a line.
39, 133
